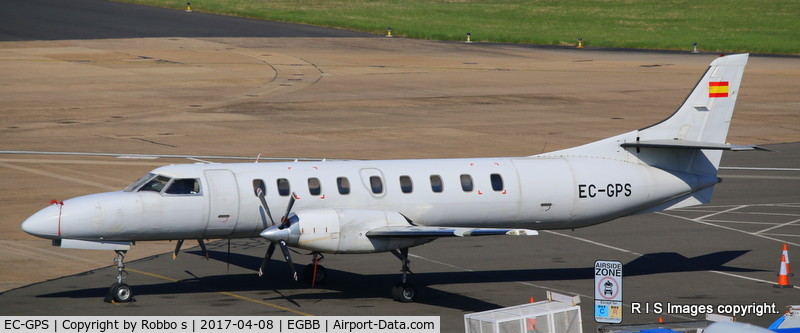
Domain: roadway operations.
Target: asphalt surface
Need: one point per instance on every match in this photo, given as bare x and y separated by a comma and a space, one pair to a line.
22, 20
723, 253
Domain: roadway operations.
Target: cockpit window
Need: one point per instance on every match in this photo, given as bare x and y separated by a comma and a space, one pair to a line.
140, 182
184, 186
155, 185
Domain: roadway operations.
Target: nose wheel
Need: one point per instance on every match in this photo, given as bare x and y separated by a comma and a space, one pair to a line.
120, 292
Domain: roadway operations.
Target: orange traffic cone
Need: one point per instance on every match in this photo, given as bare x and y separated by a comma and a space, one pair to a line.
786, 255
783, 278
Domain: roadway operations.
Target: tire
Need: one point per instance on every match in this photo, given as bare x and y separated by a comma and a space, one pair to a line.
308, 274
404, 292
121, 293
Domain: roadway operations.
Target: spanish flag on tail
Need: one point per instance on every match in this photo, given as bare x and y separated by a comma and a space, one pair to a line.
717, 89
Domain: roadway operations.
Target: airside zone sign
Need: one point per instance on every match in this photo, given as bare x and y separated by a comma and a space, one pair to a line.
607, 291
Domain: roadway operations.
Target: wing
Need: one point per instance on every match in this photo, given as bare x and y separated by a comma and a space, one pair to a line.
437, 232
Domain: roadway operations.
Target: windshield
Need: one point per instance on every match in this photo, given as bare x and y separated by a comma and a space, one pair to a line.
139, 182
156, 185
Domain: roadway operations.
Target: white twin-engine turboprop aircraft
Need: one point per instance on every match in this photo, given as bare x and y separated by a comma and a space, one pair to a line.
390, 206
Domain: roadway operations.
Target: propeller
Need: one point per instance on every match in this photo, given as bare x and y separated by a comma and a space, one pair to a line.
285, 219
276, 234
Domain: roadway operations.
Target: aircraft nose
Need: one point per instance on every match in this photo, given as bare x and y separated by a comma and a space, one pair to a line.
44, 223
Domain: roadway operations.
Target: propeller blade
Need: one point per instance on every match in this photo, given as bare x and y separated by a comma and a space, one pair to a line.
264, 262
177, 249
259, 188
288, 258
285, 218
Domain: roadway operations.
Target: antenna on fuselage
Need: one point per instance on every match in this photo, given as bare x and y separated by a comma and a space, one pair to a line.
257, 158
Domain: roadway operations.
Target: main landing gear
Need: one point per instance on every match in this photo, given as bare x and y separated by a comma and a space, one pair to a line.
119, 291
404, 291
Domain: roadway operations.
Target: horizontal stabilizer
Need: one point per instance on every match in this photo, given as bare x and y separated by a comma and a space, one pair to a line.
437, 232
686, 144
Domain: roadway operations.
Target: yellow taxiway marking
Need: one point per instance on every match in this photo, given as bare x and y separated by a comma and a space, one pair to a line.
226, 293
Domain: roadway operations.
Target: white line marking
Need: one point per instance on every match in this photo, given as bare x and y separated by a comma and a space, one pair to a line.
721, 212
782, 235
57, 176
729, 228
199, 160
631, 252
741, 213
30, 152
44, 254
742, 222
593, 242
778, 226
759, 169
537, 285
724, 176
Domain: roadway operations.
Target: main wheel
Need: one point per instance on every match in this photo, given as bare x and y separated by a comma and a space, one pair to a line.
308, 274
404, 292
121, 293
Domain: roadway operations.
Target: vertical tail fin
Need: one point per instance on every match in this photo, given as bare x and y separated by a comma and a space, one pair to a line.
689, 143
691, 140
706, 114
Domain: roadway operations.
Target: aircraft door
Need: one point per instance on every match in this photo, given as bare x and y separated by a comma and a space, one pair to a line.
223, 192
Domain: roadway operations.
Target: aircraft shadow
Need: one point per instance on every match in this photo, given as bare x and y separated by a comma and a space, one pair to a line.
348, 285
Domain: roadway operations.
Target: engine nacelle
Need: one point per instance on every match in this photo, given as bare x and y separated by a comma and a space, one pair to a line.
345, 230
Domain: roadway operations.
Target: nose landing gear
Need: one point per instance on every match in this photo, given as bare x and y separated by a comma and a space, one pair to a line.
119, 291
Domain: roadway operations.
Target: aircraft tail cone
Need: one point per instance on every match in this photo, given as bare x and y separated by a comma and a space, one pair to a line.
788, 266
783, 278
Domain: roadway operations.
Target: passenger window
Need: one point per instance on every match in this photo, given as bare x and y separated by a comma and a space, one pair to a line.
405, 184
497, 182
283, 187
376, 183
155, 185
314, 188
466, 183
436, 184
184, 186
343, 184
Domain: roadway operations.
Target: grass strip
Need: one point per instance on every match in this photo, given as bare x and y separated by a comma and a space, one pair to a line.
757, 26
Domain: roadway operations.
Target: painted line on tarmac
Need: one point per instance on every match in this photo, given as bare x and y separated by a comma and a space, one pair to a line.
631, 252
542, 286
474, 271
57, 176
742, 222
594, 243
44, 253
697, 220
759, 169
741, 213
87, 162
723, 176
226, 293
777, 226
721, 212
